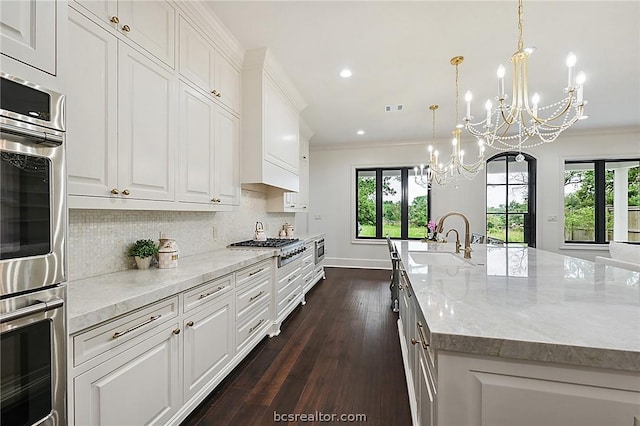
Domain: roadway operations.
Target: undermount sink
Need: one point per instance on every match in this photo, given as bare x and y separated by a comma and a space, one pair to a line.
438, 259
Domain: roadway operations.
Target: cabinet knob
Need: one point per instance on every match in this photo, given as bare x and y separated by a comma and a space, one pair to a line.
126, 192
114, 191
126, 28
414, 341
214, 92
218, 94
115, 20
176, 331
216, 200
190, 323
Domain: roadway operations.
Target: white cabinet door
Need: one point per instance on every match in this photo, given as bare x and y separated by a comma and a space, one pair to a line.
281, 131
208, 344
150, 24
92, 143
227, 157
105, 10
139, 386
28, 32
196, 153
196, 57
146, 110
227, 83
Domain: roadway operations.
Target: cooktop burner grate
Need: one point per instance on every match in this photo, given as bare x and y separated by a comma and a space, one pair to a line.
270, 243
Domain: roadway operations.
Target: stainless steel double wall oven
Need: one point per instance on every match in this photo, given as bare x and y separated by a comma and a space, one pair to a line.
33, 266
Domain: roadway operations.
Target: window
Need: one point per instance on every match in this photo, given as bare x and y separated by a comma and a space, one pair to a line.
511, 188
601, 201
390, 202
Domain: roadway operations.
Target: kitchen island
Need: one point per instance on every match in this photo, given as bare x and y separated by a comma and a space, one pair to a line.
516, 335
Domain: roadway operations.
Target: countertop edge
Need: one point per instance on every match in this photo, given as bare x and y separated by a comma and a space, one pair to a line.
578, 356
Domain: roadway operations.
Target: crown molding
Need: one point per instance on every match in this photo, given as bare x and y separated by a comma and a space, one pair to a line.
210, 25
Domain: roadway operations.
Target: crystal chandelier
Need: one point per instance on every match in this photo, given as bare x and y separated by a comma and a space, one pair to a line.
443, 173
509, 127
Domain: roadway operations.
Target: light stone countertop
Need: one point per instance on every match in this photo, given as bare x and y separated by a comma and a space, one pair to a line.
529, 304
97, 299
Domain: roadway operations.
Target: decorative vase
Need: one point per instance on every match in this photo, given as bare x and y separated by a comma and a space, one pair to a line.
143, 262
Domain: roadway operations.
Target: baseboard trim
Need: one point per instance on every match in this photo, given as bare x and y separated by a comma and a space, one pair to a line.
337, 262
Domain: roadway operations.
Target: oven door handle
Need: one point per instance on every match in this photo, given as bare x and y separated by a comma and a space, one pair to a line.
36, 308
30, 135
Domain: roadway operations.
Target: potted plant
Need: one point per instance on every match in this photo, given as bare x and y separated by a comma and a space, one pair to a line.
143, 251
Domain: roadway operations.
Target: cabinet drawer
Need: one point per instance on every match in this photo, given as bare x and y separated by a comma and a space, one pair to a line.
112, 334
251, 296
287, 278
208, 291
289, 285
293, 297
253, 273
252, 327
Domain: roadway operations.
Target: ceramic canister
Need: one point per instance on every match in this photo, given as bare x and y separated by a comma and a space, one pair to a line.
168, 253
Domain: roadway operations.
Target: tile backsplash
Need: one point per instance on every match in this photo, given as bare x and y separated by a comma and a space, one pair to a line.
98, 239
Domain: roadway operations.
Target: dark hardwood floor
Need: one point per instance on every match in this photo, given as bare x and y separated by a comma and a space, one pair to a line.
338, 354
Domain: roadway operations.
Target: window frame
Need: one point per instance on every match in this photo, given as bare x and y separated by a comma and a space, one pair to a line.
531, 194
600, 202
404, 203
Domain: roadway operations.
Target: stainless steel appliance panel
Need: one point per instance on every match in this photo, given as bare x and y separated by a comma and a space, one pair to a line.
319, 252
33, 358
32, 187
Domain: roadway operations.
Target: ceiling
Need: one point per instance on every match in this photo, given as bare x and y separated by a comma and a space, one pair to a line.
399, 53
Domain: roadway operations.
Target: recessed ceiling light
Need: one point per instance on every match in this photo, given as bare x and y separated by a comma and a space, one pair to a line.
345, 73
360, 132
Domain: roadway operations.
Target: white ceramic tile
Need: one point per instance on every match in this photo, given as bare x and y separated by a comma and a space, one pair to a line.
98, 239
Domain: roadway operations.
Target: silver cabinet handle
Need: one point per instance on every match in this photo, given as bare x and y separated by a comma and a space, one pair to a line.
252, 329
292, 278
252, 298
202, 296
424, 340
135, 327
255, 272
36, 308
290, 299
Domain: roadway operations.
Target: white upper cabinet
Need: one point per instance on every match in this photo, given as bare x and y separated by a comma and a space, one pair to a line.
28, 32
207, 68
271, 108
149, 24
146, 110
208, 152
92, 108
120, 120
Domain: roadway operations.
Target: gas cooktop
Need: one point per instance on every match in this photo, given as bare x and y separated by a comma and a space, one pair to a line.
269, 243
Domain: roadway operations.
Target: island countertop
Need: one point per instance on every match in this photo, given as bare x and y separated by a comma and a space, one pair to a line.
530, 304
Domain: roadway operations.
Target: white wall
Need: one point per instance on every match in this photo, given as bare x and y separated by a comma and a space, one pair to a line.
332, 187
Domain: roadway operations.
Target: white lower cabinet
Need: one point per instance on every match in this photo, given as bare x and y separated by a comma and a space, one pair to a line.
154, 365
451, 388
208, 343
139, 386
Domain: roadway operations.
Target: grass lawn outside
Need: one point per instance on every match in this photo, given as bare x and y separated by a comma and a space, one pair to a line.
393, 230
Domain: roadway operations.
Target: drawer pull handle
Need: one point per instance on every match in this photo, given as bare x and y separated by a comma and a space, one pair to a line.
252, 298
424, 340
252, 329
255, 272
176, 331
292, 278
135, 327
290, 299
202, 296
190, 324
